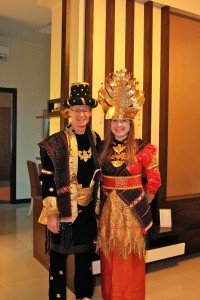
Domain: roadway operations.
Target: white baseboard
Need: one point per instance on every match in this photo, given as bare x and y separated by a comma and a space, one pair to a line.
165, 252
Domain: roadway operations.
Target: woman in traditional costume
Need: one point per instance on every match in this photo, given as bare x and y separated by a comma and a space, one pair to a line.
124, 209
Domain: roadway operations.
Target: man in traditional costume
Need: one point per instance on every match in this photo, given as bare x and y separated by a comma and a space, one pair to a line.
125, 218
69, 182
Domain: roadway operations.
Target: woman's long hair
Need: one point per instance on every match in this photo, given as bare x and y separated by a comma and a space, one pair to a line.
130, 150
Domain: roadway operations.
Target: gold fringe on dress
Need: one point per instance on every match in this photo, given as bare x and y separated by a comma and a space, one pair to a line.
119, 230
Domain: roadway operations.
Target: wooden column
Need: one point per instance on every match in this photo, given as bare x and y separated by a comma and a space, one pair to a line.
147, 78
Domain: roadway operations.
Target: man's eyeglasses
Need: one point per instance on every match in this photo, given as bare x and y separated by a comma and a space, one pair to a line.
78, 111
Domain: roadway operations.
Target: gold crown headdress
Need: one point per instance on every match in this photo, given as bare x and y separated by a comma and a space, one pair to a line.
119, 97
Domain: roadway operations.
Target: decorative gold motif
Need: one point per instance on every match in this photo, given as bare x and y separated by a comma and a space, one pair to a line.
85, 154
119, 97
118, 158
119, 148
51, 277
51, 189
58, 296
61, 272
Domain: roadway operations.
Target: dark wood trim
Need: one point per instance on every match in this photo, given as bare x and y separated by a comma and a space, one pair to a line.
88, 55
65, 54
13, 141
164, 94
147, 77
129, 42
110, 36
110, 42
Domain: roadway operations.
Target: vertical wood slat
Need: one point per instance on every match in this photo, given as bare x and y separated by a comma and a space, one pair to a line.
65, 54
110, 36
129, 42
88, 55
164, 94
88, 47
110, 43
147, 77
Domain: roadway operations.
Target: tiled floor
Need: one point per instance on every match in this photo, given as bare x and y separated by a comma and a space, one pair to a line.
23, 278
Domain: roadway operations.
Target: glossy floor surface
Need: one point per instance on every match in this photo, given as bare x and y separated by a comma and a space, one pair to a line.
23, 278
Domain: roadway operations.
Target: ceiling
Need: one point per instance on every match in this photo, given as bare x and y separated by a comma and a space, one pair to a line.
24, 19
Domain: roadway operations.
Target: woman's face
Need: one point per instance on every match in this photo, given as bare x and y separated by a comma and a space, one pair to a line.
120, 128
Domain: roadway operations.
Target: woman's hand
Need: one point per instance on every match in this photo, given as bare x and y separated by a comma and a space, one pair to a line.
53, 223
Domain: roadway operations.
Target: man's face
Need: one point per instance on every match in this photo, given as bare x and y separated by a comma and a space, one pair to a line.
80, 115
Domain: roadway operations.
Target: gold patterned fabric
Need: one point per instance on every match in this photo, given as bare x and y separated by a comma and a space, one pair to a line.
49, 208
119, 230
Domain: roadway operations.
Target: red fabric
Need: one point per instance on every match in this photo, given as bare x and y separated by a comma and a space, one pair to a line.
121, 182
145, 158
122, 280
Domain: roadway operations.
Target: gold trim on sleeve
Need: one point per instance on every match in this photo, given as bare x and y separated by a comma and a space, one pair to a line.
49, 208
47, 172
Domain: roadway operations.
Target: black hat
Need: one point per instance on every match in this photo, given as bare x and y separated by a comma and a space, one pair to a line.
80, 95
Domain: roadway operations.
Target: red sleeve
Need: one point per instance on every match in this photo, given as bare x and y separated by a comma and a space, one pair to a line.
147, 158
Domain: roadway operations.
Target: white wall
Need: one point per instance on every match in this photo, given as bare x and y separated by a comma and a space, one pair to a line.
28, 70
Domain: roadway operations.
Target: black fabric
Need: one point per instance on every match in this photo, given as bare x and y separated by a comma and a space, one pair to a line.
85, 168
80, 95
84, 229
78, 236
57, 148
64, 239
57, 276
83, 279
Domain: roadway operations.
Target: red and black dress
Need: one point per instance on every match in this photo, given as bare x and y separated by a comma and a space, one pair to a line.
125, 218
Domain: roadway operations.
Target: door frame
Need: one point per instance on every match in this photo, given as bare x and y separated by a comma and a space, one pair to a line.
13, 139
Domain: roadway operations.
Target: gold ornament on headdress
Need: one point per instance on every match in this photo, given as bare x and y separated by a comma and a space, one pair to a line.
119, 97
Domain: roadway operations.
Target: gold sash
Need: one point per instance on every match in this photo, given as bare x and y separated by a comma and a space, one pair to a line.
84, 196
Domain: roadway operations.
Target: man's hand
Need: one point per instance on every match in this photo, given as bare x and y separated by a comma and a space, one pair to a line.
53, 223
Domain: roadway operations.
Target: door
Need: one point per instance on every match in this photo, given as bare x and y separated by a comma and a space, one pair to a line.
8, 100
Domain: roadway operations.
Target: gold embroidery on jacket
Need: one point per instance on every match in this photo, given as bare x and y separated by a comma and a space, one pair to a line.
85, 154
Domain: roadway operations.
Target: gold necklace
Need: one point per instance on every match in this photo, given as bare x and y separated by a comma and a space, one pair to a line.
118, 157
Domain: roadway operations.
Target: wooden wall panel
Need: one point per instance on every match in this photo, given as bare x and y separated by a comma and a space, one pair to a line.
147, 78
129, 43
65, 54
183, 120
164, 93
89, 21
110, 36
185, 212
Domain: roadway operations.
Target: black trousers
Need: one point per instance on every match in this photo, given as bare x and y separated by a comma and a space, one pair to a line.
83, 279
